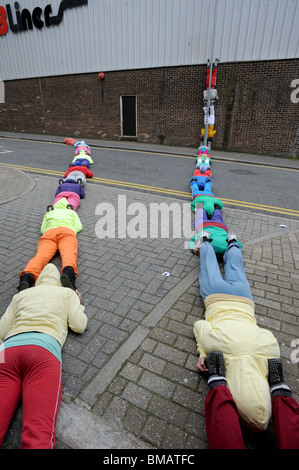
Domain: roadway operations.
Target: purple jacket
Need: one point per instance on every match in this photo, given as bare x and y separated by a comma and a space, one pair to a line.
73, 187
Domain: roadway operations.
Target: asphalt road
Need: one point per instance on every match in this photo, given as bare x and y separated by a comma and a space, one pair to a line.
256, 187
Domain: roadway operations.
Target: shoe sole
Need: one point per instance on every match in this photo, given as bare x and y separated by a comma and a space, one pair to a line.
66, 282
23, 286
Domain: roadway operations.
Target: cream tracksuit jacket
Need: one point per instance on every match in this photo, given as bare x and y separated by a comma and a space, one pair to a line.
230, 327
46, 308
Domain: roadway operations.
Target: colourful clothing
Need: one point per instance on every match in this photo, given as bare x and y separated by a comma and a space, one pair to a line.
81, 147
207, 199
62, 239
59, 228
78, 144
61, 217
34, 328
33, 373
82, 156
33, 338
60, 308
200, 183
71, 187
87, 172
230, 327
202, 170
81, 161
223, 424
217, 228
75, 177
210, 278
72, 198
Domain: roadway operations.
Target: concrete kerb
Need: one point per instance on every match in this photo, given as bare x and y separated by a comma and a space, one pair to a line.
22, 184
79, 428
235, 157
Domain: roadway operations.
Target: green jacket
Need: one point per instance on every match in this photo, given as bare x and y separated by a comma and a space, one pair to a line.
61, 217
218, 236
208, 203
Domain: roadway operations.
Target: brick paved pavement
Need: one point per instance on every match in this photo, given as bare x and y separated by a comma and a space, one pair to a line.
131, 376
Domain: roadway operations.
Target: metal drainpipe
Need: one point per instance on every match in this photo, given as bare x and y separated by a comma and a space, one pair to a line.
211, 67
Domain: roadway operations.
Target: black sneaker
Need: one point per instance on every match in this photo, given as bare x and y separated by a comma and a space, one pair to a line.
215, 364
26, 281
276, 378
68, 277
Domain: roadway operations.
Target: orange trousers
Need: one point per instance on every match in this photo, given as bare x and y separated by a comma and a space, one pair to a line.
62, 239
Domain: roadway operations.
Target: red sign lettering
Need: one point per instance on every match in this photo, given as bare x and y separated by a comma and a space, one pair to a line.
3, 22
21, 20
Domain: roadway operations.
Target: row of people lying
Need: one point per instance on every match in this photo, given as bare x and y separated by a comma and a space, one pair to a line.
61, 222
242, 361
246, 385
35, 325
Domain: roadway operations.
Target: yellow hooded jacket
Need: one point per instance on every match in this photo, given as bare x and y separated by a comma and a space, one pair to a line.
230, 326
46, 308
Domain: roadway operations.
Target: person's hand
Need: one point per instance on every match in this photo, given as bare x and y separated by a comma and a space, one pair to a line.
79, 295
201, 365
195, 250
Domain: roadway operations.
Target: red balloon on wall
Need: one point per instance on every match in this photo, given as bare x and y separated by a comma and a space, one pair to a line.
101, 75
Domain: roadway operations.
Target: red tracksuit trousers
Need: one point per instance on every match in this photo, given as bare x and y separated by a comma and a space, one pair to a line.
223, 427
35, 374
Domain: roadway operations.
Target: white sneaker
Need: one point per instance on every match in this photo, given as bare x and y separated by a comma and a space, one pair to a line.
204, 234
231, 237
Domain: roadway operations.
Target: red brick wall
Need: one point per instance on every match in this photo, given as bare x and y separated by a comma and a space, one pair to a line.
254, 113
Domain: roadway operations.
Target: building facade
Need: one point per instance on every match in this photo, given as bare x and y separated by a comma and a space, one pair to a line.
135, 69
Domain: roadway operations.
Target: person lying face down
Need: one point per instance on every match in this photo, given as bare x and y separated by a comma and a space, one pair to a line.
70, 190
78, 144
59, 230
34, 329
82, 159
78, 172
215, 225
230, 326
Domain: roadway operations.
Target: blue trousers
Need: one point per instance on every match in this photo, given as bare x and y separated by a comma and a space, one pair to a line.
210, 278
202, 217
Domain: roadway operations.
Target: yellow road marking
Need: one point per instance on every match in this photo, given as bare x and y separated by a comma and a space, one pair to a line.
171, 192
